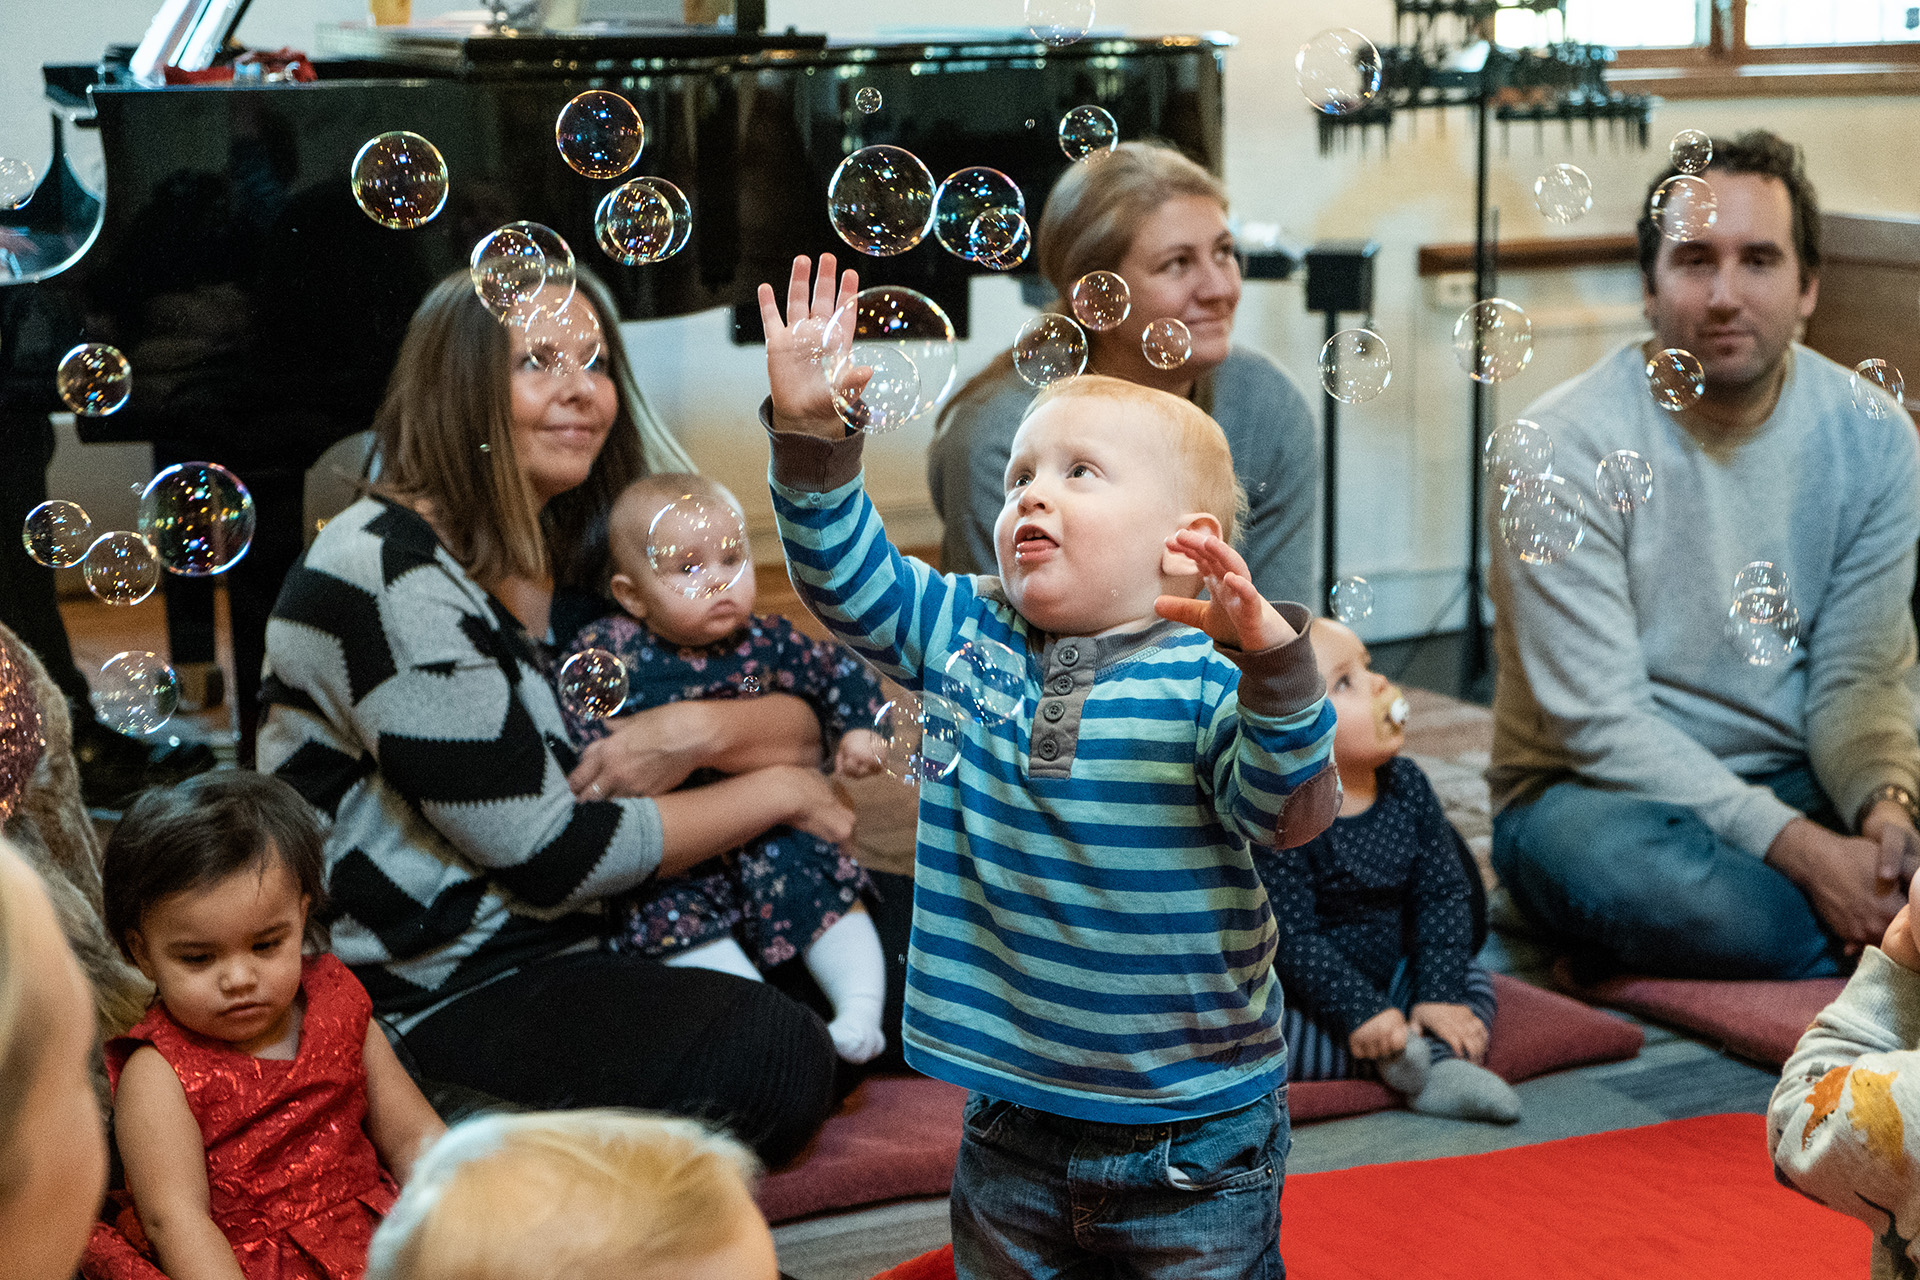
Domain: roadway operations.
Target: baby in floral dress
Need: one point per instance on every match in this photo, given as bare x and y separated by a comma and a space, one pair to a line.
688, 632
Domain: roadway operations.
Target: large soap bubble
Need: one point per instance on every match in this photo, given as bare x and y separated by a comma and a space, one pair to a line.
599, 134
921, 738
961, 201
1351, 599
1515, 450
198, 517
1691, 151
1338, 71
1101, 300
987, 679
563, 336
868, 100
1683, 207
1355, 366
1763, 625
57, 533
1676, 378
634, 225
1541, 518
906, 340
136, 693
94, 379
1049, 348
1001, 239
1059, 22
1878, 387
880, 200
1166, 342
593, 684
1493, 340
399, 180
1624, 481
1563, 193
697, 546
121, 568
1088, 131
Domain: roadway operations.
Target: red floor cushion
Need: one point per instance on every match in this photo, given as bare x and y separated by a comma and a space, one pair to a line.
1757, 1020
897, 1136
1675, 1201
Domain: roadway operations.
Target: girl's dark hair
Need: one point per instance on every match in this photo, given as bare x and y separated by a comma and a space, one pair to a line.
201, 831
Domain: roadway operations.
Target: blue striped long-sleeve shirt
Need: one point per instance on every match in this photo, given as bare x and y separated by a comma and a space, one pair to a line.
1090, 936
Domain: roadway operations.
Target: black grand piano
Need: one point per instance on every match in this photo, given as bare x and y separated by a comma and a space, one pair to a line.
262, 310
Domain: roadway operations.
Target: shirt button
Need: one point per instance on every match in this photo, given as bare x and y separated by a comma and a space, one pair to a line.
1049, 748
1068, 655
1063, 685
1053, 710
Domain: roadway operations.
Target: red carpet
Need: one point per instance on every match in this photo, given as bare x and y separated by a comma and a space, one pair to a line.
1684, 1200
1757, 1020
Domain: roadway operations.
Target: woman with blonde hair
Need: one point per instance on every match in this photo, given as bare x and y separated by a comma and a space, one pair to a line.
53, 1155
1159, 221
584, 1193
412, 700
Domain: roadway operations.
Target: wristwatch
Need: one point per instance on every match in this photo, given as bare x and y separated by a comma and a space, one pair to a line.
1899, 795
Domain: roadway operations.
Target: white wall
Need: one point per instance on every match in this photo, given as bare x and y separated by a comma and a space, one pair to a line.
1403, 460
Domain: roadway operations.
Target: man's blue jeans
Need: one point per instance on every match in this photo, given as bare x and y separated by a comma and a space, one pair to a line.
1627, 884
1042, 1196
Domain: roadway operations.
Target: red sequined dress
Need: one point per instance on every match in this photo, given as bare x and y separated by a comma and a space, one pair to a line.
293, 1179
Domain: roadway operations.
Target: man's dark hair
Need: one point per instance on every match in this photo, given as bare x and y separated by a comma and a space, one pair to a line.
201, 831
1768, 155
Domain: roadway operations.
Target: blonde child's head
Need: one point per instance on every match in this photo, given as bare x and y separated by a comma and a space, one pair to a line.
1102, 472
680, 557
1370, 711
559, 1195
214, 889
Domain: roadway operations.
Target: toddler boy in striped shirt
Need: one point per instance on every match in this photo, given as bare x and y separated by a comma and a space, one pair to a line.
1092, 951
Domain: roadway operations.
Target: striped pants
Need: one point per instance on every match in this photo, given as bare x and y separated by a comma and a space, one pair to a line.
1317, 1053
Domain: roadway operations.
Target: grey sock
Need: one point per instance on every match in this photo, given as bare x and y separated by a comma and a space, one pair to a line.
1406, 1071
1458, 1088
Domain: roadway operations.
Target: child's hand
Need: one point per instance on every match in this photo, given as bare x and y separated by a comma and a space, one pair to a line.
1381, 1036
859, 753
797, 371
1236, 614
812, 805
1899, 942
1455, 1024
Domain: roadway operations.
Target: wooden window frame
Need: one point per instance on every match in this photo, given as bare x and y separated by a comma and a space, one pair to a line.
1726, 66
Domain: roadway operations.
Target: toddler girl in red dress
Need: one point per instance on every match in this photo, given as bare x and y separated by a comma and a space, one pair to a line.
262, 1118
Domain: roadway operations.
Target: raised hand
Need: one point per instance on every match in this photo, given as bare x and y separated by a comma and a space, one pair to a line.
1235, 614
795, 359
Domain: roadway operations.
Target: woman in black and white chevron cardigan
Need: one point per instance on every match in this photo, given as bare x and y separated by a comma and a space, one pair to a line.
409, 697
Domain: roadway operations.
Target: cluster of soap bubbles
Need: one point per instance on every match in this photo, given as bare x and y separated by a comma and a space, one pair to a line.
986, 679
979, 215
17, 179
1762, 623
136, 693
643, 221
94, 379
1059, 22
593, 684
697, 546
1351, 599
1677, 379
1878, 388
1355, 366
400, 180
1541, 518
903, 344
1049, 348
1338, 71
920, 737
1493, 340
1563, 193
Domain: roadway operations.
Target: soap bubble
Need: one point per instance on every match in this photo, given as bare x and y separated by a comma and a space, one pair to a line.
880, 200
599, 134
1563, 193
1676, 378
57, 534
1355, 366
94, 379
1542, 519
1338, 70
1101, 300
1059, 22
1691, 151
635, 225
137, 692
1086, 131
1515, 450
593, 684
697, 545
1351, 599
1877, 388
986, 679
868, 100
1050, 347
1005, 230
1624, 480
908, 342
560, 282
961, 201
198, 518
1166, 343
682, 211
507, 268
1761, 575
1683, 207
399, 180
1493, 340
16, 182
1763, 625
121, 568
921, 738
563, 336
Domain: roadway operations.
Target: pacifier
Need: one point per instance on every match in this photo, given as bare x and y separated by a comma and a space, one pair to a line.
1398, 710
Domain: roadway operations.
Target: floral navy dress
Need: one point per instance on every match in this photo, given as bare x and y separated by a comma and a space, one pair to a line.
779, 892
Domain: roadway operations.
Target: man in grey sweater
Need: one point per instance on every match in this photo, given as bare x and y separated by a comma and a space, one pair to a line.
1662, 804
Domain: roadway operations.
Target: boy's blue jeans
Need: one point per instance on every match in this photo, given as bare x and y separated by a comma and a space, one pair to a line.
1040, 1196
1627, 883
